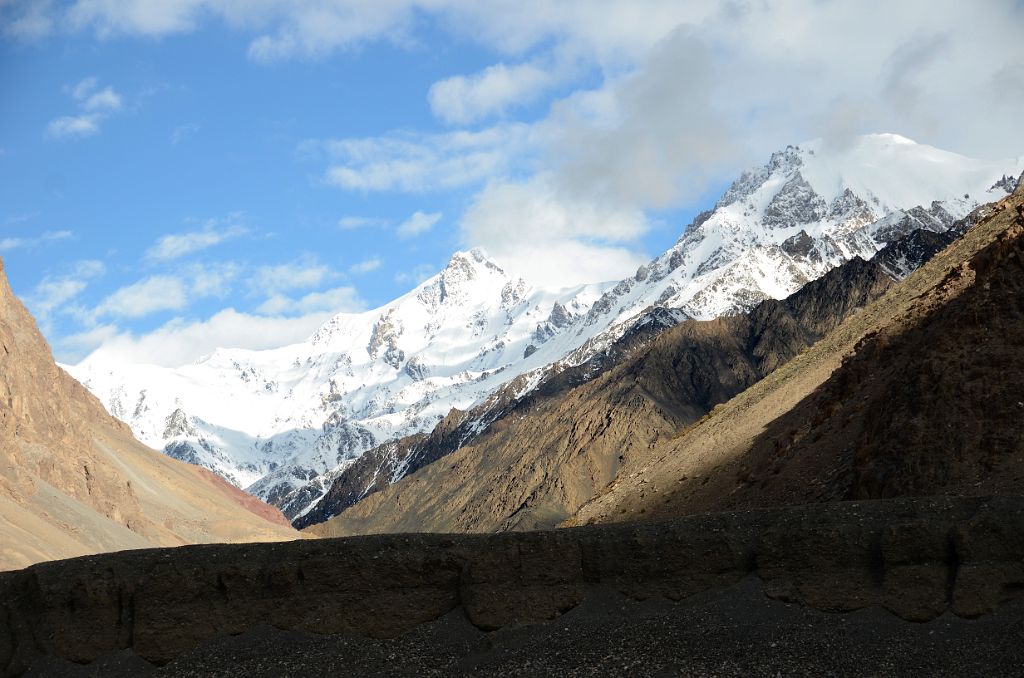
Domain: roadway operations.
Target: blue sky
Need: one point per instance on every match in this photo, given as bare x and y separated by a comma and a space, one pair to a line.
182, 175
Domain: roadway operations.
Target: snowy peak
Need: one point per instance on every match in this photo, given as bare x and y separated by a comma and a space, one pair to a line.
885, 171
467, 275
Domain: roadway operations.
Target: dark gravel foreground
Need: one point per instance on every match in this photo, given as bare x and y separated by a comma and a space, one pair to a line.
733, 632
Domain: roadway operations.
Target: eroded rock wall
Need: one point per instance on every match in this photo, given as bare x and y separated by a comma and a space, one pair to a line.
917, 558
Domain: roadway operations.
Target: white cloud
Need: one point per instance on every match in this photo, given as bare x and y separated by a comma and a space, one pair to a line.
424, 162
304, 273
658, 135
74, 126
12, 243
139, 17
553, 239
147, 296
365, 266
104, 100
417, 223
95, 105
337, 300
53, 292
278, 320
778, 67
26, 20
353, 223
182, 341
212, 280
461, 99
175, 245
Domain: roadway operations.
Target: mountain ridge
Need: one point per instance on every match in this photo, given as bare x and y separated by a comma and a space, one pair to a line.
284, 423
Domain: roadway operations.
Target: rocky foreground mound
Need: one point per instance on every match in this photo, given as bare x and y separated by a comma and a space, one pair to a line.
918, 559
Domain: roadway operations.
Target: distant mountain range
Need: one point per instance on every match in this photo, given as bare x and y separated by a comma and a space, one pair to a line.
287, 424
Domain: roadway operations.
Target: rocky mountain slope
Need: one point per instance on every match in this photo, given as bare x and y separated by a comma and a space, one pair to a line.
920, 394
286, 423
74, 481
535, 466
545, 460
392, 461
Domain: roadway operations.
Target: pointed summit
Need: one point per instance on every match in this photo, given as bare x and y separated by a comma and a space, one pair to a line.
465, 269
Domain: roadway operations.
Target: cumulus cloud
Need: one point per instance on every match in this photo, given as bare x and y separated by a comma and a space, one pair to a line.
95, 105
182, 341
417, 223
779, 67
173, 291
176, 245
659, 136
336, 300
669, 98
365, 266
300, 274
552, 239
354, 223
212, 280
418, 163
278, 319
466, 99
73, 126
54, 291
26, 20
138, 17
150, 295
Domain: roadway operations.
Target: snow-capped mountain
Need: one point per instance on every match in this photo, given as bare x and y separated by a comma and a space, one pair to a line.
282, 422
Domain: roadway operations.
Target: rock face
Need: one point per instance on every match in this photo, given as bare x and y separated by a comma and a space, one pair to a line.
918, 394
548, 454
285, 423
74, 481
915, 558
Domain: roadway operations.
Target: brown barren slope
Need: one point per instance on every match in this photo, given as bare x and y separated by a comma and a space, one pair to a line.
920, 394
74, 481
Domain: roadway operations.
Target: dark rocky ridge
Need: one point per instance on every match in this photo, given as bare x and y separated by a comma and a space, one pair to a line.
915, 558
